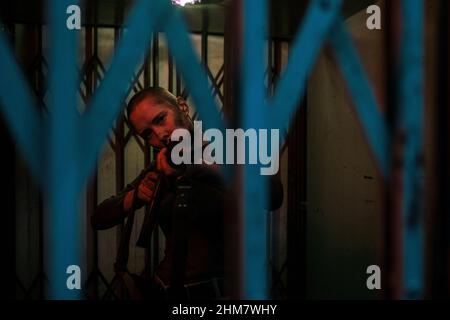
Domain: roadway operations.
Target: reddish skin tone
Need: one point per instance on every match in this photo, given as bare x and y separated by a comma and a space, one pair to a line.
154, 123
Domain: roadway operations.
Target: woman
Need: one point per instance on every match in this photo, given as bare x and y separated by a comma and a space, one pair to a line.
188, 206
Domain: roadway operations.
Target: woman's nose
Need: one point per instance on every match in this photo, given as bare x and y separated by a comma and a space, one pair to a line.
162, 136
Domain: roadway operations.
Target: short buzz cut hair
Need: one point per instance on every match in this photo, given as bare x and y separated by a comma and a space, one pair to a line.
160, 94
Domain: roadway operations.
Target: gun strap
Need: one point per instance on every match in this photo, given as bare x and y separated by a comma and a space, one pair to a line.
146, 231
149, 223
124, 245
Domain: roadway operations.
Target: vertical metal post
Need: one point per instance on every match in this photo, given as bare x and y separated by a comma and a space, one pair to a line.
178, 82
392, 192
440, 247
410, 91
270, 66
92, 235
272, 219
119, 150
8, 236
232, 62
254, 112
64, 183
151, 257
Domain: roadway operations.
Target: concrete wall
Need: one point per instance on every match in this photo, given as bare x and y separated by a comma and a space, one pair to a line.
344, 187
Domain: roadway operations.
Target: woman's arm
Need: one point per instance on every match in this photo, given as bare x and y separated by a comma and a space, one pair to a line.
115, 209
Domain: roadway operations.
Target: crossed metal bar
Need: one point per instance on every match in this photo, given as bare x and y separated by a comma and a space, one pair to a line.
410, 91
61, 149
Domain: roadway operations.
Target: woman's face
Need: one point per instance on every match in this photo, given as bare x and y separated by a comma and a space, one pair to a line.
155, 122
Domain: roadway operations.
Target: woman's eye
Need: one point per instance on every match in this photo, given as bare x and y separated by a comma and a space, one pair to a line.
159, 119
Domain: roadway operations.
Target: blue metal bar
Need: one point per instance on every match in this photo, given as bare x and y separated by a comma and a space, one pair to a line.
20, 110
254, 113
318, 20
64, 184
108, 99
366, 108
194, 73
411, 108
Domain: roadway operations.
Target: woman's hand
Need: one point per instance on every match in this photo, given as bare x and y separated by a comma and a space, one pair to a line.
142, 194
162, 164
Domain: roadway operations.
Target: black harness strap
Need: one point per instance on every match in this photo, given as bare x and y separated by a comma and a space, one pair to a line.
180, 233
